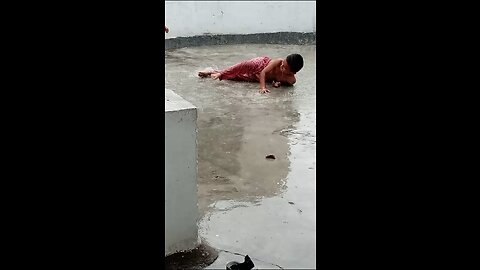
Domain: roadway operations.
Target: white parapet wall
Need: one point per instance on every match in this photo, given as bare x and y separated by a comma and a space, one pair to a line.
181, 199
194, 18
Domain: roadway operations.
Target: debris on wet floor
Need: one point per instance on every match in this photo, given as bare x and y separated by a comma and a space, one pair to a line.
270, 157
247, 264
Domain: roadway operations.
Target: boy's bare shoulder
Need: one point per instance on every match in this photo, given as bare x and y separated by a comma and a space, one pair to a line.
276, 61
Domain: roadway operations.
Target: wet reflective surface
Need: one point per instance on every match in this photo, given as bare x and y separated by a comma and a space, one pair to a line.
249, 204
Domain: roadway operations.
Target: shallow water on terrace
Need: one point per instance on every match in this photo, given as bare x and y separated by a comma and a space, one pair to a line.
248, 204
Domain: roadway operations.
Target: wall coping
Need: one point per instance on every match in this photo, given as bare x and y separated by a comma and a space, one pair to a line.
289, 38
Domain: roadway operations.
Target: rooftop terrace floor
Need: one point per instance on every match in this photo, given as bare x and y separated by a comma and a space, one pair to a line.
249, 204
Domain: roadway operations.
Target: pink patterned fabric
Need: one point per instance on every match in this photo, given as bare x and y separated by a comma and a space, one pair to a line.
248, 70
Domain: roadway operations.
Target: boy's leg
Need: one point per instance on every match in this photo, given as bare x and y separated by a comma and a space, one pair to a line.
205, 73
238, 70
244, 71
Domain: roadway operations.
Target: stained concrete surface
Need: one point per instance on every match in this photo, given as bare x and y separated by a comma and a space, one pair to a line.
249, 204
260, 38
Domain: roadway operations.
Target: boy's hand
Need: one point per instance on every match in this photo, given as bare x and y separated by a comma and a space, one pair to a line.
276, 84
166, 29
264, 90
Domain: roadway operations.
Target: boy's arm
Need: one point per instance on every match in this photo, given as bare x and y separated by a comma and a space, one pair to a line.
291, 81
266, 70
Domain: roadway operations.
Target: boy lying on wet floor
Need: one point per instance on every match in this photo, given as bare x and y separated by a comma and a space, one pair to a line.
261, 69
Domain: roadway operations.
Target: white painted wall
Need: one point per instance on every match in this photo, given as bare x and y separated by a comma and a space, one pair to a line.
185, 18
181, 210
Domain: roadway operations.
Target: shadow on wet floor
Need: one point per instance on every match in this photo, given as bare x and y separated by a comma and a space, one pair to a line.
197, 258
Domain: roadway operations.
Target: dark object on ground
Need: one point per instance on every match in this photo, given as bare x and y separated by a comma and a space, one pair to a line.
270, 157
246, 265
195, 259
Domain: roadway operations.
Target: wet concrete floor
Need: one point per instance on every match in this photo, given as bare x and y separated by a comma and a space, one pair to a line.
249, 204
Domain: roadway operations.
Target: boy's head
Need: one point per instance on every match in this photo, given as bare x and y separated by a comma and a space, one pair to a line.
295, 62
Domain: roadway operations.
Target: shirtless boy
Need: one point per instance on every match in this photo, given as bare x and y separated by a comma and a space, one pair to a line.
261, 69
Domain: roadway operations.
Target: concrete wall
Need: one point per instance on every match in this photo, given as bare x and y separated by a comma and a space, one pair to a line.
242, 17
181, 210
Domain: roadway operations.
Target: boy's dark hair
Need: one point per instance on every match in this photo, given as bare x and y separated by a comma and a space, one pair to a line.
295, 62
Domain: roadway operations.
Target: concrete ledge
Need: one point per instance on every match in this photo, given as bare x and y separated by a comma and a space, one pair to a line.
174, 102
291, 38
181, 199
